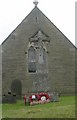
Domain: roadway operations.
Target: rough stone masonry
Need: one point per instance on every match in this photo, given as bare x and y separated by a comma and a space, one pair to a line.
38, 57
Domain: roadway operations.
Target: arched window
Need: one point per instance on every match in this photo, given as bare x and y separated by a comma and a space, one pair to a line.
31, 59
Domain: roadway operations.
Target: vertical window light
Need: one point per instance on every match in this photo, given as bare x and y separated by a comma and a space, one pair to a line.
42, 61
31, 59
42, 56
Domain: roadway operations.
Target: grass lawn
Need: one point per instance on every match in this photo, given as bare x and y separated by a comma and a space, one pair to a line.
65, 108
0, 111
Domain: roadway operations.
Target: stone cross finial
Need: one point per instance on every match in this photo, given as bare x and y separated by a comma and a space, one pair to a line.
35, 2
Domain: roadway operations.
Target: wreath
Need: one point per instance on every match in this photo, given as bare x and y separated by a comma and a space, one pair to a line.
39, 98
43, 96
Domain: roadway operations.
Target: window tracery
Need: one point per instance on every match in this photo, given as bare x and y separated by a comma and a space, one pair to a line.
37, 55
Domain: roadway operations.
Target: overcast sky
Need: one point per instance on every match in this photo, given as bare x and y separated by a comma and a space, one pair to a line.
60, 12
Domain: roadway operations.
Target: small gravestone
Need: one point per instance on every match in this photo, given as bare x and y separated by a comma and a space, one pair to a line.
9, 98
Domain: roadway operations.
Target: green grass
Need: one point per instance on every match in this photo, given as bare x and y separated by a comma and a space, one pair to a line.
0, 111
65, 108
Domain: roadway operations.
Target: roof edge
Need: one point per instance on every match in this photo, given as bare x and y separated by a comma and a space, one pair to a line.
46, 17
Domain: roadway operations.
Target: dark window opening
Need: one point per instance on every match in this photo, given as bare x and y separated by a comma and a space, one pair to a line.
32, 67
31, 60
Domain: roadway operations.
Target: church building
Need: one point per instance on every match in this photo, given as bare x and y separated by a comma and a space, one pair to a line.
38, 57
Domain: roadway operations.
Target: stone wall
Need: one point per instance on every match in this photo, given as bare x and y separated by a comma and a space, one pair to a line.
60, 55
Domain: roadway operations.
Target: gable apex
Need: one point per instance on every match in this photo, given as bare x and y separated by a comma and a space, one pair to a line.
38, 17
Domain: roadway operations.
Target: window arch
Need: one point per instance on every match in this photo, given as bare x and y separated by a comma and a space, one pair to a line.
31, 59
